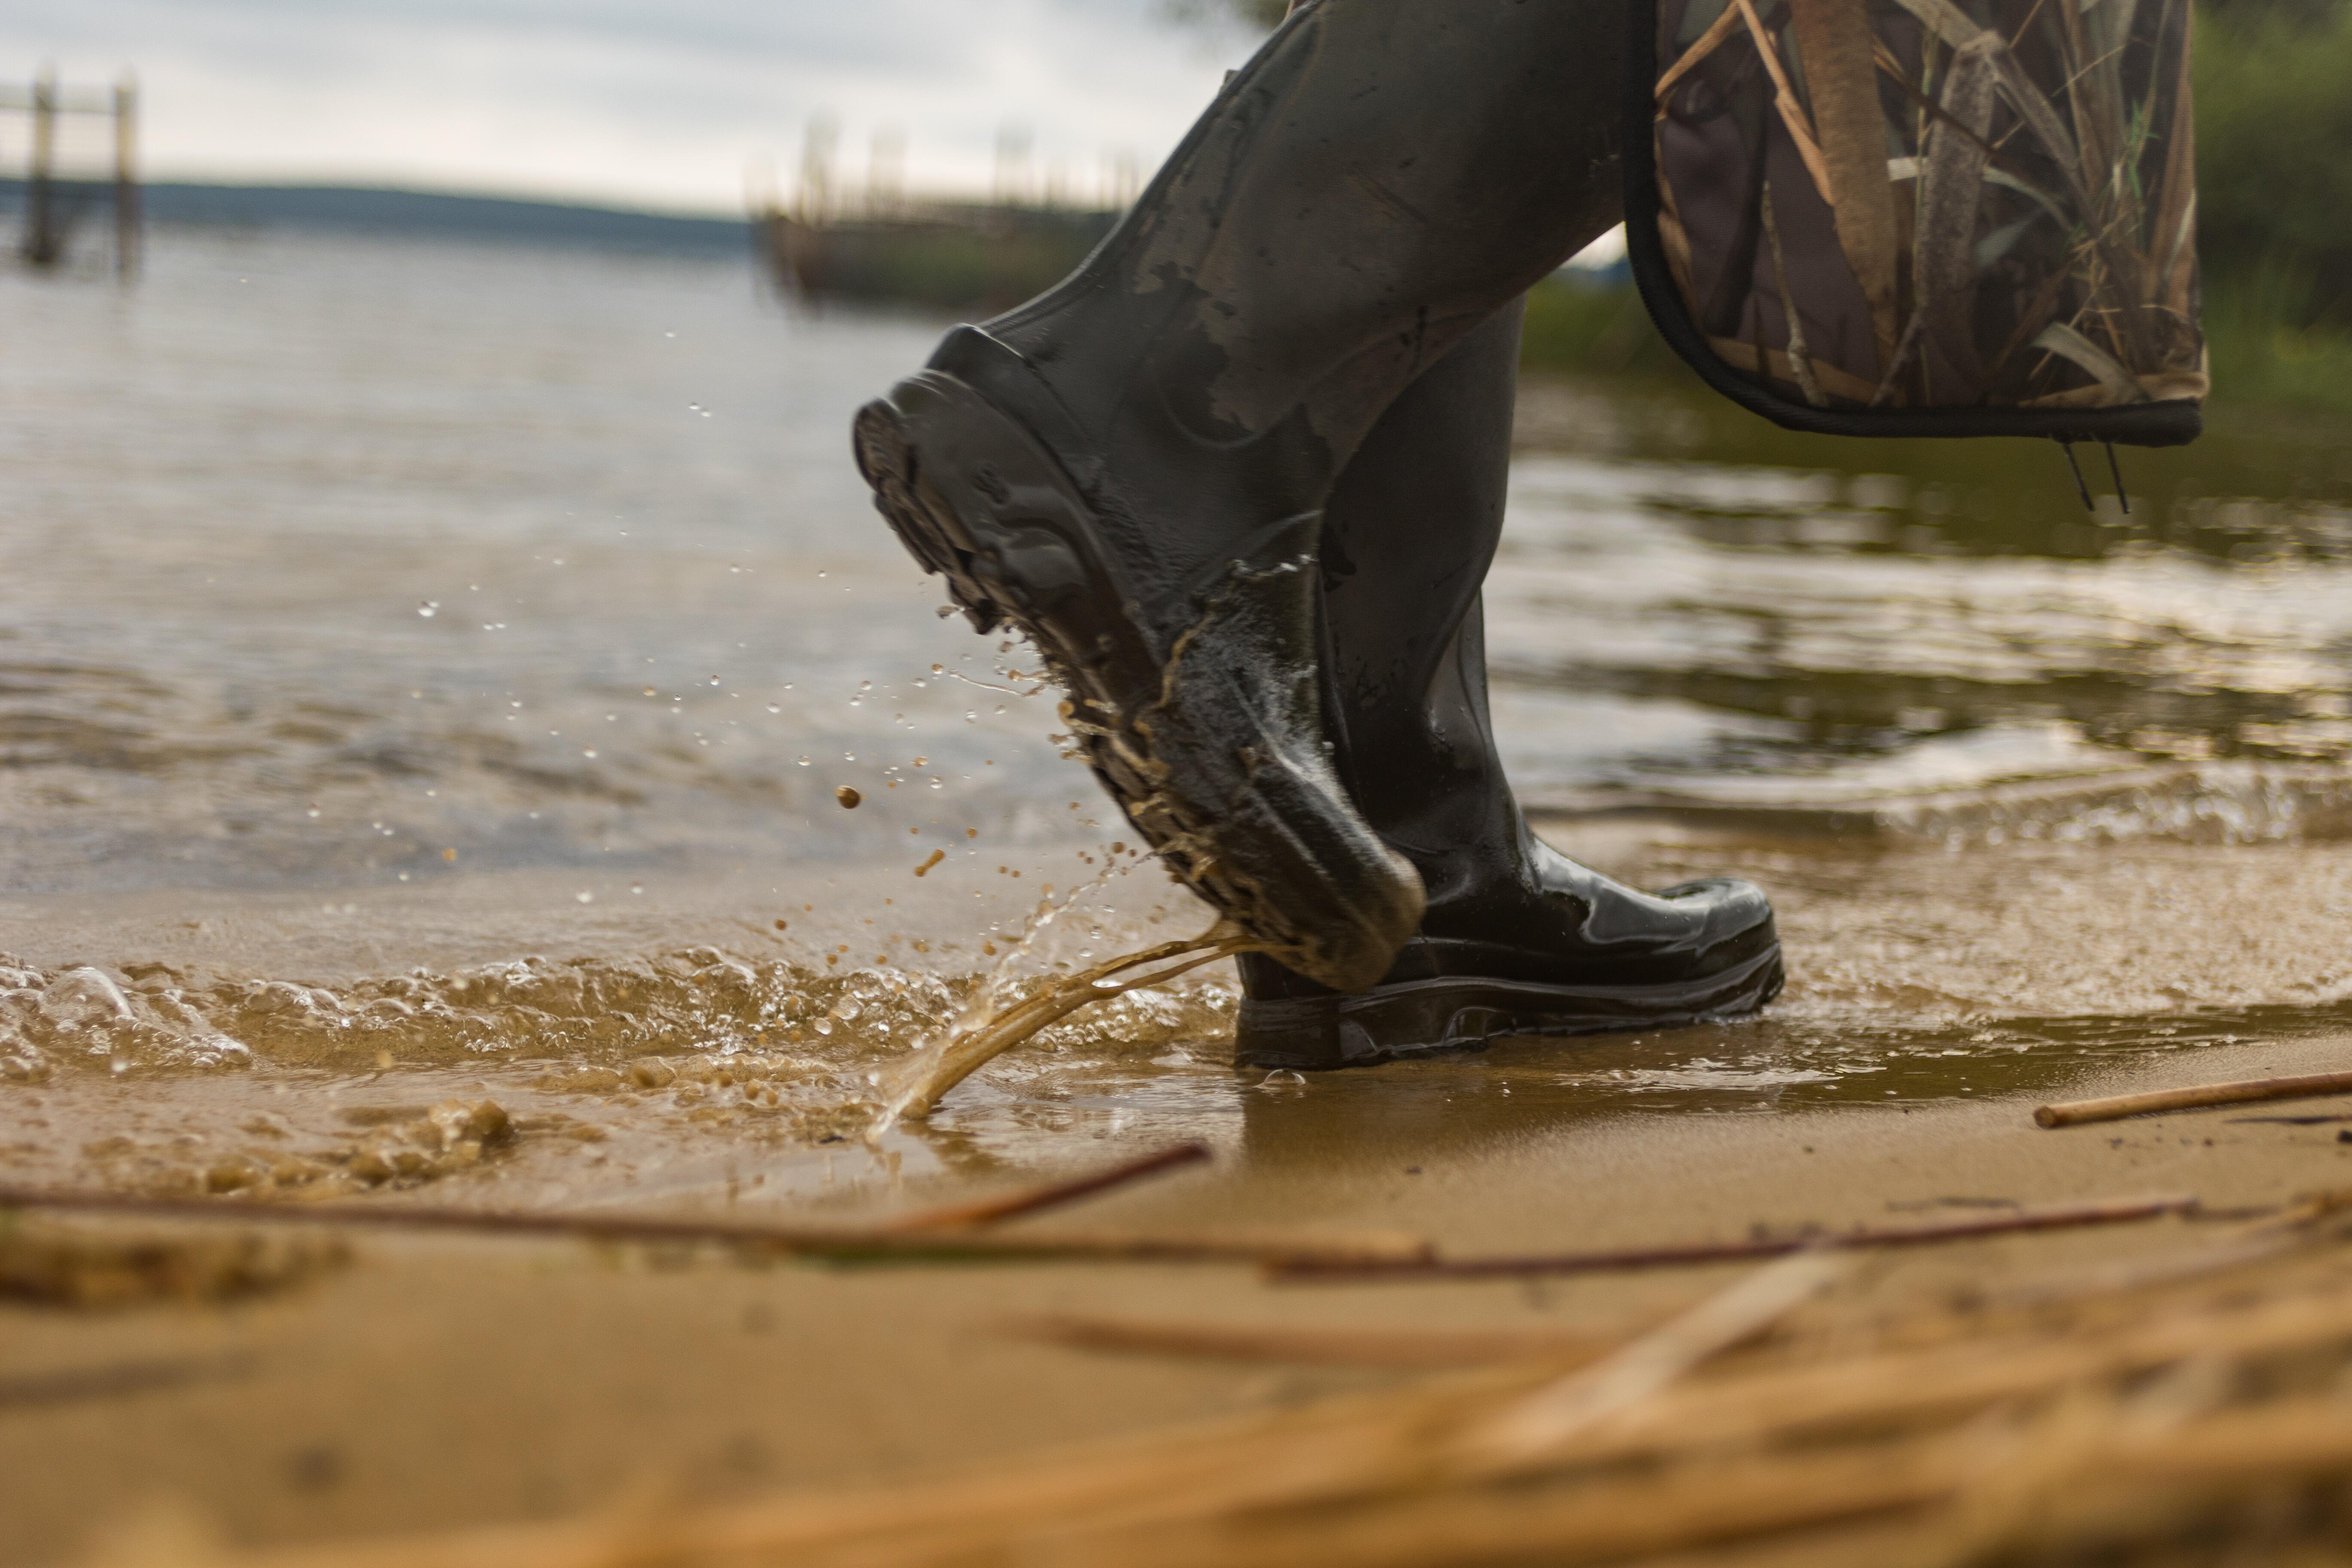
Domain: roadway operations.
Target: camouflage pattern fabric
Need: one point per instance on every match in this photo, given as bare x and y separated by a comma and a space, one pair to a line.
1934, 204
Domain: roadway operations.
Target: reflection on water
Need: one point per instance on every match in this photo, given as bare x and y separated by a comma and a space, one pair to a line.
427, 672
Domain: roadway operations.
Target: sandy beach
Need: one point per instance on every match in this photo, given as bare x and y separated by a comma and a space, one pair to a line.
425, 1381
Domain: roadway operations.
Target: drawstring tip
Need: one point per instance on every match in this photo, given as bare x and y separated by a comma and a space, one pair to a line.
2081, 489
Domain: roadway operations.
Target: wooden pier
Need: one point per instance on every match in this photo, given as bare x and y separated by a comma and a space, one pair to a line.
47, 216
965, 256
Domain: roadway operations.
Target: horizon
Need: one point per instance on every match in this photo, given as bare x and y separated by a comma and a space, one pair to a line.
624, 104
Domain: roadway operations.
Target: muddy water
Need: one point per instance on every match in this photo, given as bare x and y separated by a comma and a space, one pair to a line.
426, 673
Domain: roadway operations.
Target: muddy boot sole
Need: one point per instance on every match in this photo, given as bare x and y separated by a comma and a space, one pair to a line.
1208, 739
1416, 1018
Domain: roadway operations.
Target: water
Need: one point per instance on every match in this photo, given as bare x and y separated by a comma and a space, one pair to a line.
426, 673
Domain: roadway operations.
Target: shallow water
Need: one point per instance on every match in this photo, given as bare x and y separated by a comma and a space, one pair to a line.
425, 672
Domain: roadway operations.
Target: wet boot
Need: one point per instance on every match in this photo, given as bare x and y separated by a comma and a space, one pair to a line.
1132, 468
1515, 939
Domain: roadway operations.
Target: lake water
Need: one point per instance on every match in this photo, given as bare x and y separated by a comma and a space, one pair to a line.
427, 671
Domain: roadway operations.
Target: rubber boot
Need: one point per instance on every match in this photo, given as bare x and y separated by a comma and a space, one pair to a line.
1515, 939
1132, 468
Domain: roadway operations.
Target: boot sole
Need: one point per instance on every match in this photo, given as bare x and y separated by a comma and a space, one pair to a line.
978, 500
1417, 1017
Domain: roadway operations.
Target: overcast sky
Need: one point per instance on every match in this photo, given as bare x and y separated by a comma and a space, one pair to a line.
644, 102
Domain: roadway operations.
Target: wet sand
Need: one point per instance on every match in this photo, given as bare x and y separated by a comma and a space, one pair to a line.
434, 1380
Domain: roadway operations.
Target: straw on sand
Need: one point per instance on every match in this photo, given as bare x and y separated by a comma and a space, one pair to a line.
2083, 1423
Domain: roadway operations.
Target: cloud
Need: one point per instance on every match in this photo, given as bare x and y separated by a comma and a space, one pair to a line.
630, 100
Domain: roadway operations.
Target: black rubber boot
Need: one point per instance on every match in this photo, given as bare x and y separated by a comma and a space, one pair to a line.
1516, 938
1132, 468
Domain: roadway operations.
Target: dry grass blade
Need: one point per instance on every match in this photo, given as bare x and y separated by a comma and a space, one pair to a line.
1548, 1417
1722, 27
2064, 341
912, 1087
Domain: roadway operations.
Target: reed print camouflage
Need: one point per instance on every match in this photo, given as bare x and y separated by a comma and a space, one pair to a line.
1933, 204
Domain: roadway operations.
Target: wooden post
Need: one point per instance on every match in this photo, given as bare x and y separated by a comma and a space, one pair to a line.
40, 244
128, 229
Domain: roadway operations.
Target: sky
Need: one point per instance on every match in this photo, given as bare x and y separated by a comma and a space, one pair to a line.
662, 104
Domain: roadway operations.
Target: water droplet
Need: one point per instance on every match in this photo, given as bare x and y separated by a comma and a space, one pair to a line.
427, 607
848, 797
772, 708
312, 811
1283, 1078
714, 680
584, 896
588, 750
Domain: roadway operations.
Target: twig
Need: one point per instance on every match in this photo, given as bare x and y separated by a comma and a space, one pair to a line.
2105, 1211
839, 1244
2074, 1112
1030, 1200
1325, 1346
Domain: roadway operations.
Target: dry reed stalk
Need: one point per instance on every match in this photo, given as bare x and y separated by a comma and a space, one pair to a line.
1722, 27
1784, 98
1540, 1425
912, 1087
2042, 1436
1420, 1348
838, 1242
2055, 1216
1051, 1194
2314, 1086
